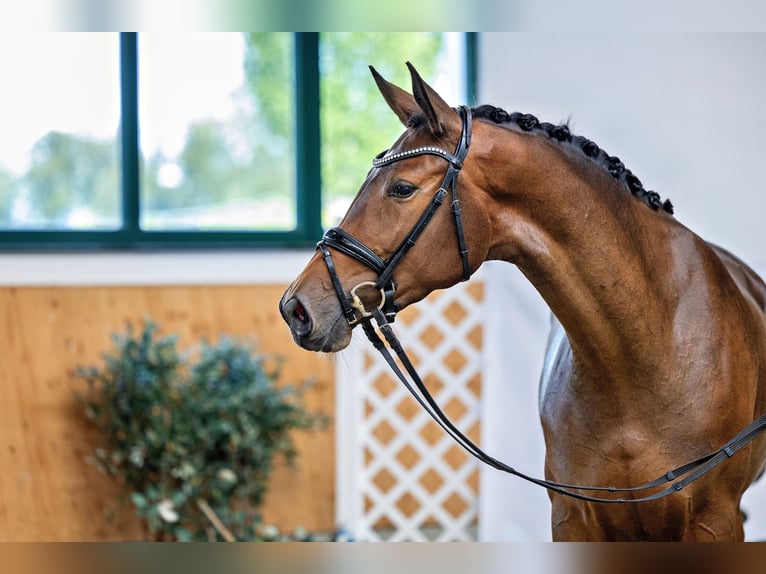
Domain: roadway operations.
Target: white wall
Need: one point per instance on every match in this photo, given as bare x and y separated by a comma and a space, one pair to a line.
686, 113
153, 268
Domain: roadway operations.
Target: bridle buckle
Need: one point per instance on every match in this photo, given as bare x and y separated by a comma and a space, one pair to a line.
356, 301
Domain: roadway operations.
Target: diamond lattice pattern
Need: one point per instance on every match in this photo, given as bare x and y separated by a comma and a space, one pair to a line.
408, 480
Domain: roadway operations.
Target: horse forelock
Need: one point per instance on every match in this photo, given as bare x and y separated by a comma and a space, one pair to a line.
561, 134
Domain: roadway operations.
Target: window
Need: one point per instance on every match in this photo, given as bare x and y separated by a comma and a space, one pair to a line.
199, 139
58, 146
217, 138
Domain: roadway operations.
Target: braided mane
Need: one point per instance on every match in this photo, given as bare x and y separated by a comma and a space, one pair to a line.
561, 133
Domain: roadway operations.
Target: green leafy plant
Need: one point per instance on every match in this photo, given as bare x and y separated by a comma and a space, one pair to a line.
192, 437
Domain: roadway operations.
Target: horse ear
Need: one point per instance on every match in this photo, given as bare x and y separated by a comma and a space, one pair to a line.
401, 102
438, 113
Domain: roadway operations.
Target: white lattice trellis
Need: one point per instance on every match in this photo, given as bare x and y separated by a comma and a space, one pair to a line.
400, 477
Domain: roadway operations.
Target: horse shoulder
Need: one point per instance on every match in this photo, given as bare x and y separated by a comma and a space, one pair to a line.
753, 318
753, 290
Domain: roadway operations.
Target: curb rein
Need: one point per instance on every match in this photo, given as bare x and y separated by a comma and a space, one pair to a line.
355, 312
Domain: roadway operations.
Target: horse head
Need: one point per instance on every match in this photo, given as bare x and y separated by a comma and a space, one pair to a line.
395, 244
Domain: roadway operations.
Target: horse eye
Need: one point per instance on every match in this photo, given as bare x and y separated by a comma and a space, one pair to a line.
402, 190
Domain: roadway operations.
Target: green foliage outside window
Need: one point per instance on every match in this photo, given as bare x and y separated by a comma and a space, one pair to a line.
267, 72
192, 440
69, 172
356, 121
240, 162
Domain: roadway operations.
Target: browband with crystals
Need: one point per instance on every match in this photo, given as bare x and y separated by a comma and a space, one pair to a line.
431, 150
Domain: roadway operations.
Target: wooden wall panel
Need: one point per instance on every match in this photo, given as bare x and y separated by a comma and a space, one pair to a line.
47, 491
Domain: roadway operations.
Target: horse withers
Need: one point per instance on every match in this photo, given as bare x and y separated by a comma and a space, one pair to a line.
658, 349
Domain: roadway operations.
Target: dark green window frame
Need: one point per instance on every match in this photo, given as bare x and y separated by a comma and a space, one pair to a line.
307, 162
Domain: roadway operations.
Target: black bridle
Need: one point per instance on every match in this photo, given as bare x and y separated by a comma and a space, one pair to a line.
355, 312
340, 240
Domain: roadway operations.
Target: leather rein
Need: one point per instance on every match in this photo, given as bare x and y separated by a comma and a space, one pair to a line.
384, 313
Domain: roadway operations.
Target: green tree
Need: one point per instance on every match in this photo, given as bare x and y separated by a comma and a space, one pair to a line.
207, 165
212, 174
68, 172
356, 122
269, 74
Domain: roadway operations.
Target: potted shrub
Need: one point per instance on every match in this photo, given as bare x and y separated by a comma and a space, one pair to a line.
191, 437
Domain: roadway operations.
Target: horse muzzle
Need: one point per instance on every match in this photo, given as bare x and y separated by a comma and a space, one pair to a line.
313, 327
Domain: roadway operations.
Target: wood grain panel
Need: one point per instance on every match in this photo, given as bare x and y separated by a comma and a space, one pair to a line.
47, 491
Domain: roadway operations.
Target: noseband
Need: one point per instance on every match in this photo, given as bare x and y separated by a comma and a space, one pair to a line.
340, 240
355, 312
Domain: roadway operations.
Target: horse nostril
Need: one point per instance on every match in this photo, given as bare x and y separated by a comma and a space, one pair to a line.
300, 313
297, 317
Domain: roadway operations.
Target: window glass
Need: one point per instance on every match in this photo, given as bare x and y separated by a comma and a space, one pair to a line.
58, 143
216, 118
356, 123
218, 130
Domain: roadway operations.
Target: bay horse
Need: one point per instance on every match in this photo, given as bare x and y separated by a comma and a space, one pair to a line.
657, 353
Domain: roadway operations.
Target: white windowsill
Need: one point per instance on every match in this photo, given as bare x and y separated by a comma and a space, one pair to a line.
167, 268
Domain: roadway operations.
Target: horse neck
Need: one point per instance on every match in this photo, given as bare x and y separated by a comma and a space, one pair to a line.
598, 256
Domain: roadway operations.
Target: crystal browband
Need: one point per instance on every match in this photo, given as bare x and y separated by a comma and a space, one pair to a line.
431, 150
